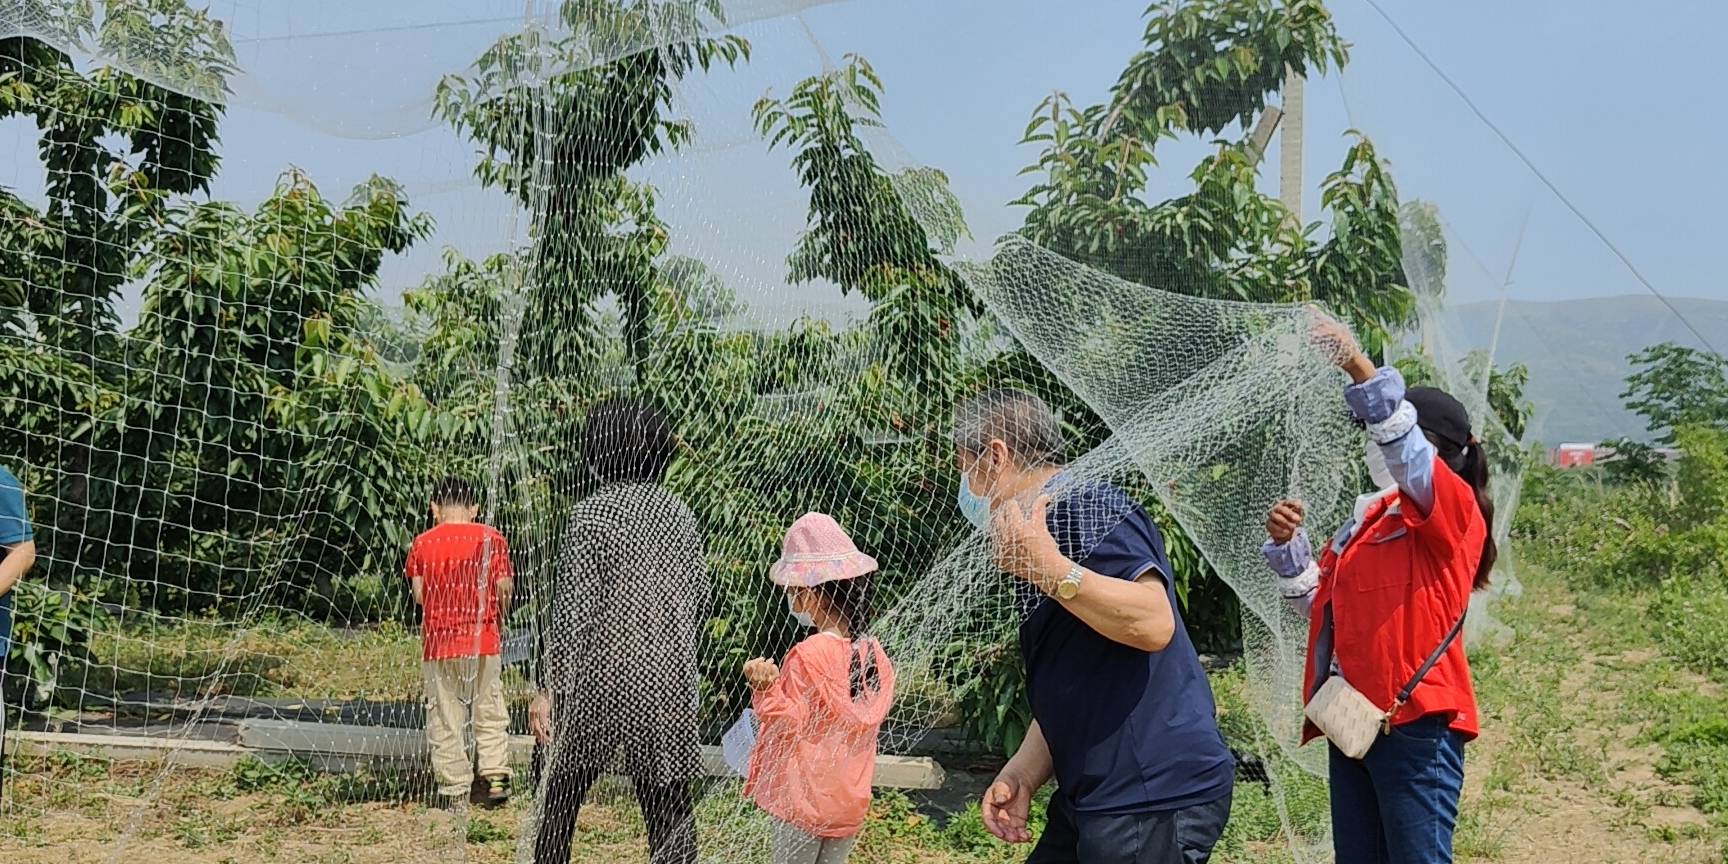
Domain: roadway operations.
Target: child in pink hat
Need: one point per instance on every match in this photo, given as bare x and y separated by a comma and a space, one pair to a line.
822, 708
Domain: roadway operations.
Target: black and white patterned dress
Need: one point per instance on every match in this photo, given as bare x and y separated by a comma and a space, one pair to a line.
628, 598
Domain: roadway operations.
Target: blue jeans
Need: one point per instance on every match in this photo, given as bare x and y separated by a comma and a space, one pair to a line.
1399, 804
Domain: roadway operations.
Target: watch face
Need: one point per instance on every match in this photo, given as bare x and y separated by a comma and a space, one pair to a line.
1067, 589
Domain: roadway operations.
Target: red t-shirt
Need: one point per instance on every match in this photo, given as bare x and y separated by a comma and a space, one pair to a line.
1401, 583
459, 565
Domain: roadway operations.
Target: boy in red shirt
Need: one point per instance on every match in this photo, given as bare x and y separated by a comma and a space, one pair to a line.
462, 579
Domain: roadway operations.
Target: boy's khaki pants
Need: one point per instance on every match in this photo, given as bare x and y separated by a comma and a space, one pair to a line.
457, 690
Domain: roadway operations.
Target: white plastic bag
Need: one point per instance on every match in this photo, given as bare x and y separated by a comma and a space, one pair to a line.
736, 744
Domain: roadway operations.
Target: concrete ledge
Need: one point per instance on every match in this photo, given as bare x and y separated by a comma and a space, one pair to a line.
339, 748
336, 747
130, 748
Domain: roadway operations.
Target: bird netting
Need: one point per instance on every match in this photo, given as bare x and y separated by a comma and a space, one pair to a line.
637, 284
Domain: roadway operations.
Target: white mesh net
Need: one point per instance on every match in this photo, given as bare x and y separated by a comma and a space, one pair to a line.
232, 404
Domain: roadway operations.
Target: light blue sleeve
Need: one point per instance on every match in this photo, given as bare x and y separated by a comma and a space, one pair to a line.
1380, 403
1298, 577
1377, 399
1410, 459
1288, 560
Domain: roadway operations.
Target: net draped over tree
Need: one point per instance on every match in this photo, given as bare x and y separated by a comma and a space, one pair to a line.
229, 417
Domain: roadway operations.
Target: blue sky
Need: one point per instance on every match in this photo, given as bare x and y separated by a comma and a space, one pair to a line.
1612, 105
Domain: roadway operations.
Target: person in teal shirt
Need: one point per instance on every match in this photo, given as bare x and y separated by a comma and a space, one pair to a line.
18, 541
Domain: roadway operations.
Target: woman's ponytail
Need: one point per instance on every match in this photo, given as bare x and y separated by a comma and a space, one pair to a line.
1474, 470
1446, 422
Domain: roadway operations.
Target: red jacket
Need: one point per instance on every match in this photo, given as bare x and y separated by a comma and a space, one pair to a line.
1399, 586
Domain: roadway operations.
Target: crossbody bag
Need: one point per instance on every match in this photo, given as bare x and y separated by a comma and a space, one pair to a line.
1350, 721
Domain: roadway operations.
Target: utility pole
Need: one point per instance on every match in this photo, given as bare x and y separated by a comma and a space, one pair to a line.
1290, 146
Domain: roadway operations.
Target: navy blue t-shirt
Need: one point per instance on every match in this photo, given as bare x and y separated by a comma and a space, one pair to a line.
14, 529
1129, 731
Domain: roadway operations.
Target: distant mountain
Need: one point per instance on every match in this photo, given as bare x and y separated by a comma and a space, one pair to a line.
1577, 349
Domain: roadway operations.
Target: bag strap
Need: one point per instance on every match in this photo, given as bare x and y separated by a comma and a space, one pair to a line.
1427, 666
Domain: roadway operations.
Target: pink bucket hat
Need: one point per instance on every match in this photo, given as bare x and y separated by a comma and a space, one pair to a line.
818, 550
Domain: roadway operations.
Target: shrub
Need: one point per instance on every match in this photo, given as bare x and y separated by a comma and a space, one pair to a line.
1702, 475
50, 628
1642, 553
1692, 627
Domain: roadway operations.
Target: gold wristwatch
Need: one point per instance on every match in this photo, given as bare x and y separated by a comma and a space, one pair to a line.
1069, 587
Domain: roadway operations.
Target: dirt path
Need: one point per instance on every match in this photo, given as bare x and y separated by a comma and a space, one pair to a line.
1560, 774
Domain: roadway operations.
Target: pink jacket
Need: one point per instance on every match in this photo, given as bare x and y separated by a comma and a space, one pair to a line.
816, 750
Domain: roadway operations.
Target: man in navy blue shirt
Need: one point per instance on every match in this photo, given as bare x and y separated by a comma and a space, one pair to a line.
17, 554
1123, 714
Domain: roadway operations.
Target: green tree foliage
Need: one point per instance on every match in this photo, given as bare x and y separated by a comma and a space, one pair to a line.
52, 631
1674, 385
117, 150
861, 235
118, 153
1209, 67
459, 322
1677, 537
260, 392
561, 115
704, 297
230, 409
1702, 476
560, 119
1627, 534
1633, 462
852, 423
1505, 392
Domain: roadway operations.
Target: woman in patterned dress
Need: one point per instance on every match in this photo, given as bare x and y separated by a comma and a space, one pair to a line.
618, 686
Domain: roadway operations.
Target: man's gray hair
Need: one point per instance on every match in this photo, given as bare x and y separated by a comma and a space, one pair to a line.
1023, 422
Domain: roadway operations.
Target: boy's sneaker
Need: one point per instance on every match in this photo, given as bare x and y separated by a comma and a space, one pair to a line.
497, 791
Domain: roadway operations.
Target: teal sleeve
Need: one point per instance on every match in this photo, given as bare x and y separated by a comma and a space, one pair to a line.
14, 519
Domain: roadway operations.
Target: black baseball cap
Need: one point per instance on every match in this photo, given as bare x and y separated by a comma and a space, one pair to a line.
1440, 415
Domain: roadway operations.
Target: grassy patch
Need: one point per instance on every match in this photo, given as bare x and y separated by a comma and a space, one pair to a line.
481, 829
1674, 695
1582, 677
1481, 832
1527, 692
1691, 624
265, 659
1628, 679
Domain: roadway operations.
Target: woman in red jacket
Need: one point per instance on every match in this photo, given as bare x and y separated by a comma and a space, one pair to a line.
1384, 595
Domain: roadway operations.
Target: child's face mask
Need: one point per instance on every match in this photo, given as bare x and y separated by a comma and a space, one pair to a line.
804, 619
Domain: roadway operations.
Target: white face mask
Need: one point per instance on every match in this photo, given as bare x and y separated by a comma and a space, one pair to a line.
1380, 475
803, 618
976, 508
1377, 470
